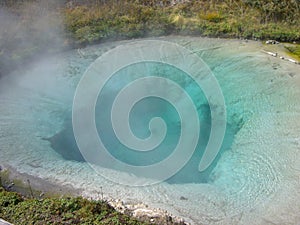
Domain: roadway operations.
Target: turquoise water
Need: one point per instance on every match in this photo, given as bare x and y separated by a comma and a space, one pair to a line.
141, 114
255, 177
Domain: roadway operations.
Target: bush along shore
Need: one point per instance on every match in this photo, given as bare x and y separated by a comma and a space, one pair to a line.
65, 210
32, 27
99, 20
22, 203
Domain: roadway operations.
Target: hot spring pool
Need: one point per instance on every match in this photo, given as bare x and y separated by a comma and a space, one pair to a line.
255, 177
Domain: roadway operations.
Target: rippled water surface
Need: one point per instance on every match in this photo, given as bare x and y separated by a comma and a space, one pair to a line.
255, 177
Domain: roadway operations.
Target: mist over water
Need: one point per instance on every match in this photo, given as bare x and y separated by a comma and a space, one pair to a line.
29, 31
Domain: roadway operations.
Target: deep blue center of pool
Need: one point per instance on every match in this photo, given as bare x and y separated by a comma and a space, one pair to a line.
141, 114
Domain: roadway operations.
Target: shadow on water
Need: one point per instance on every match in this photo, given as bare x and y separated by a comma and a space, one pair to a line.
64, 143
140, 115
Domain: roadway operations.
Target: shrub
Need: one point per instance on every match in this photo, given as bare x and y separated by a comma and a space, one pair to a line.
69, 210
211, 16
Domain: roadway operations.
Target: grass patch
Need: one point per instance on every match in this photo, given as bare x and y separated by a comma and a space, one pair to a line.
131, 19
67, 210
294, 50
36, 26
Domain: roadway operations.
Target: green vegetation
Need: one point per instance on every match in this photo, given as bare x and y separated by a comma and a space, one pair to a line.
99, 20
67, 210
30, 27
294, 50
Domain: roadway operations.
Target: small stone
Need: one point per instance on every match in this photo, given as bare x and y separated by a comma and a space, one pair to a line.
169, 219
10, 185
183, 198
272, 42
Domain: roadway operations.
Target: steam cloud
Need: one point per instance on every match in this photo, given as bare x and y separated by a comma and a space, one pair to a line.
27, 31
